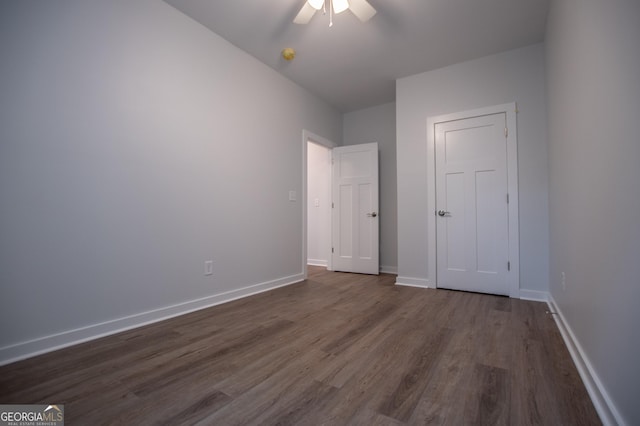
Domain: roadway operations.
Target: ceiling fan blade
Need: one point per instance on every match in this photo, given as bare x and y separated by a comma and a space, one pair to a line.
362, 9
305, 14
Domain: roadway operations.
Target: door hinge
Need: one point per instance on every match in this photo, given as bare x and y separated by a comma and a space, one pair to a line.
507, 198
331, 249
506, 132
332, 205
508, 266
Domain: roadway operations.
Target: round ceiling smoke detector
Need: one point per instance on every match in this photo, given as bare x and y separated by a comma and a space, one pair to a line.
288, 53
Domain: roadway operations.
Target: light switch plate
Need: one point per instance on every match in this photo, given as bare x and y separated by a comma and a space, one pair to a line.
293, 196
208, 267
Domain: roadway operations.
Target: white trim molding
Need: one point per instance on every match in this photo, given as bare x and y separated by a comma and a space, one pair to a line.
414, 282
386, 269
534, 295
609, 414
23, 350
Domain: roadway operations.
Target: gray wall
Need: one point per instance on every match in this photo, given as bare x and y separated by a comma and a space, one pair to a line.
514, 76
378, 124
135, 145
593, 78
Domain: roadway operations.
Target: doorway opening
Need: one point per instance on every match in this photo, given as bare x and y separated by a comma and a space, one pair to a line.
318, 204
347, 238
317, 146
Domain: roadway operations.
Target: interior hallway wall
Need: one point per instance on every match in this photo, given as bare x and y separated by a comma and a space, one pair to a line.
318, 204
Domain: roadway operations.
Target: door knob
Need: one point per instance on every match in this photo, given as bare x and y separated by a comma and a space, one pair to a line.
374, 214
443, 213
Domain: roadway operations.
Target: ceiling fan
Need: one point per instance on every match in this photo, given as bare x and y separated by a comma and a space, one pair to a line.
361, 8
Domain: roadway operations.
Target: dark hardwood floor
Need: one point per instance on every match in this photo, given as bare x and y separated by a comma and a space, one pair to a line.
336, 349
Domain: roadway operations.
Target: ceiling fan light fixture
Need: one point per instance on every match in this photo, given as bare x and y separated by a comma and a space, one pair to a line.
340, 5
360, 8
316, 4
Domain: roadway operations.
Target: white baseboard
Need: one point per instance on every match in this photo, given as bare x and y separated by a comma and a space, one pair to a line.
389, 269
535, 295
383, 268
609, 414
413, 282
23, 350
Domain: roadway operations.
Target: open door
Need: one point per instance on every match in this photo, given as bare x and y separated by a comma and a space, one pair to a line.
355, 229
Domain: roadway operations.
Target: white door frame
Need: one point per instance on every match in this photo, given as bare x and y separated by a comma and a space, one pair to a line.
308, 136
510, 110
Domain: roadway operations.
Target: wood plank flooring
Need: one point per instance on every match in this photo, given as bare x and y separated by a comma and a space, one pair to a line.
337, 349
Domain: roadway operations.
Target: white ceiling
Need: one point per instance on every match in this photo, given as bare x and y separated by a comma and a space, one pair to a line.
354, 65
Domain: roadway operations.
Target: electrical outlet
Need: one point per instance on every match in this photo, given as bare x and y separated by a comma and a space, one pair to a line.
563, 281
208, 267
